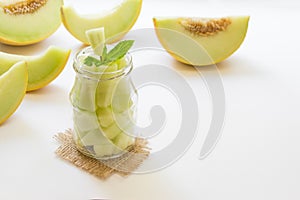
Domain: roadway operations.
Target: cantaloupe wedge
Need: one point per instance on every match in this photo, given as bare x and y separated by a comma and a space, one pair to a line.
42, 69
13, 84
24, 22
201, 41
116, 22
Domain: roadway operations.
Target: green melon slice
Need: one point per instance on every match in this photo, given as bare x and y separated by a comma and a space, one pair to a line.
42, 69
116, 22
34, 21
201, 41
13, 85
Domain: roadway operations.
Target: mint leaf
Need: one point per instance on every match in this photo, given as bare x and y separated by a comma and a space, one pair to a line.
119, 50
90, 61
104, 53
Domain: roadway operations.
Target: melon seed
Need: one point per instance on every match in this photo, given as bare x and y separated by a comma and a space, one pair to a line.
24, 7
204, 27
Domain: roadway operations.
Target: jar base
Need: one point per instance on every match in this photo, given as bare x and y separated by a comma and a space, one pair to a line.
105, 158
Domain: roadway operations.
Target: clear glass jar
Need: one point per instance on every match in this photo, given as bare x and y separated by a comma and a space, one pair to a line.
104, 107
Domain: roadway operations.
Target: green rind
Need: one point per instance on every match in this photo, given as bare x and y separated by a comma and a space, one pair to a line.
116, 23
197, 50
30, 28
13, 84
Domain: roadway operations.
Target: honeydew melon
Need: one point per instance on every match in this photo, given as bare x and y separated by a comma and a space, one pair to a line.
116, 22
201, 41
85, 121
13, 84
112, 131
123, 141
99, 128
83, 94
102, 151
104, 93
105, 116
95, 143
24, 22
42, 69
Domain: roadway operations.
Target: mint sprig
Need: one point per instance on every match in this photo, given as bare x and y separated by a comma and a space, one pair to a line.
113, 55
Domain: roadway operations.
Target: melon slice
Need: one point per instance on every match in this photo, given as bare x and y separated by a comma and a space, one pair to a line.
24, 22
116, 22
42, 69
201, 41
13, 85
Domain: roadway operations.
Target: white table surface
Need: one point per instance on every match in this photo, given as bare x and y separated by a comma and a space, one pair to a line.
257, 157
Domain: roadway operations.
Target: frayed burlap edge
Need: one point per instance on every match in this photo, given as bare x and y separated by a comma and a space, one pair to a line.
123, 165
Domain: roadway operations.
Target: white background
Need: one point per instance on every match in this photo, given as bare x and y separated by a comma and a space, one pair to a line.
258, 156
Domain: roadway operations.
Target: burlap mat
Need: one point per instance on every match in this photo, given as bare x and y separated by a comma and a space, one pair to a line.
123, 165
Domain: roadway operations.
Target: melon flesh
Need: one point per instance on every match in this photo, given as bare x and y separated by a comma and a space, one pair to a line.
13, 85
42, 69
99, 120
29, 28
116, 22
191, 48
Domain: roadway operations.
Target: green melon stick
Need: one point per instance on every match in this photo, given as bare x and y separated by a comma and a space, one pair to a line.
84, 90
83, 94
105, 116
122, 98
106, 88
118, 88
96, 38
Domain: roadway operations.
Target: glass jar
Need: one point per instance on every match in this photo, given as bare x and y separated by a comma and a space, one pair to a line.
104, 107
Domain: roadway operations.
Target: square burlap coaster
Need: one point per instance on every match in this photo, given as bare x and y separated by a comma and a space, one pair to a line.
123, 165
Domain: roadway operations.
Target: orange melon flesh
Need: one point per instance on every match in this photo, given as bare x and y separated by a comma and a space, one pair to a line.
13, 84
190, 47
116, 22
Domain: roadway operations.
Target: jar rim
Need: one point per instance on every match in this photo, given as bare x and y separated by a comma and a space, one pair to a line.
77, 65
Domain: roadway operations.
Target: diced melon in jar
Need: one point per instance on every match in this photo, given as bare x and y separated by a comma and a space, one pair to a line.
106, 150
94, 137
85, 121
122, 98
105, 91
105, 116
112, 131
123, 123
123, 141
121, 103
83, 94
